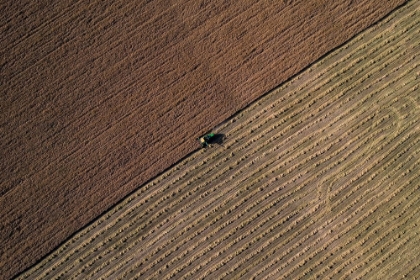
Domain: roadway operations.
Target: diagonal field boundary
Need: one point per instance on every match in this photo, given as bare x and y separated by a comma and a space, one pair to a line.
319, 179
98, 97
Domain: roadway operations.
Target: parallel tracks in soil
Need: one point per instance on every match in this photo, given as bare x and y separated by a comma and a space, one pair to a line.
318, 179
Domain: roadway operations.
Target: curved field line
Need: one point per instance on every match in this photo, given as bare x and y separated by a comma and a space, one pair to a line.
298, 189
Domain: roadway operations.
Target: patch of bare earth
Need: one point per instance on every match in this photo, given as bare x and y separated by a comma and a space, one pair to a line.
319, 179
98, 97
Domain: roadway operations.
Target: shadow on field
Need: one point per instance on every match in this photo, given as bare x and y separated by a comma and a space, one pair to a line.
218, 138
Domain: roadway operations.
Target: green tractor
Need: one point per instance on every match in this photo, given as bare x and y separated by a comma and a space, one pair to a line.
206, 139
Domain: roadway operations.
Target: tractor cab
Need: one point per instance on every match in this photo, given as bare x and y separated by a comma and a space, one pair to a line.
206, 139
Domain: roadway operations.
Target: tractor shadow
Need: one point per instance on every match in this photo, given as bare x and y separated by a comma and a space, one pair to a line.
218, 138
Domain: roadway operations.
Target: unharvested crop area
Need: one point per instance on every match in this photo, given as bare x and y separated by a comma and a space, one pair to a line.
319, 179
97, 97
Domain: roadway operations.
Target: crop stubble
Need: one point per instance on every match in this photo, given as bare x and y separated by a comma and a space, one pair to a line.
320, 178
99, 97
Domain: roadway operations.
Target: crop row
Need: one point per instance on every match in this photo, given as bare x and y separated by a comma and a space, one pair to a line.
255, 197
352, 213
332, 228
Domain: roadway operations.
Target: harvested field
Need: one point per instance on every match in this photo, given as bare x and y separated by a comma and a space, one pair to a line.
100, 96
318, 179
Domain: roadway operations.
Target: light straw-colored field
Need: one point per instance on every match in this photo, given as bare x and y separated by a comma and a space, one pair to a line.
99, 97
318, 179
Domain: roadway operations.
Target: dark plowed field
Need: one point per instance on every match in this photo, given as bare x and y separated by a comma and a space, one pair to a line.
98, 98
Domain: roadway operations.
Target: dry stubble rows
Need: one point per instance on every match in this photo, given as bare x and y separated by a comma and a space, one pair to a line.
319, 179
91, 89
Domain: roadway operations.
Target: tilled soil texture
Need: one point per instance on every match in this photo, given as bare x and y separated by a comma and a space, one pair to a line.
99, 97
319, 179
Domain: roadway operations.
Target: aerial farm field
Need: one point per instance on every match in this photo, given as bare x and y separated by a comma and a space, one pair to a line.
319, 179
98, 97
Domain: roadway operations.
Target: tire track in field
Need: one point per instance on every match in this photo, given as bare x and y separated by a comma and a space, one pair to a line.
79, 80
249, 209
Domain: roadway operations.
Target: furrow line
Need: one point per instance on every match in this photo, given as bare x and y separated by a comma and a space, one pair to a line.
395, 223
59, 15
315, 78
328, 105
333, 262
381, 204
299, 101
326, 224
340, 212
404, 262
261, 174
260, 249
338, 192
332, 240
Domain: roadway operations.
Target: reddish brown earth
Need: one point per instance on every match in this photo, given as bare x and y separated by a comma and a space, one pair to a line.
98, 98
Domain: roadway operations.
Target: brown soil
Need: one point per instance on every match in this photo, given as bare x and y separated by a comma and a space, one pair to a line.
98, 98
